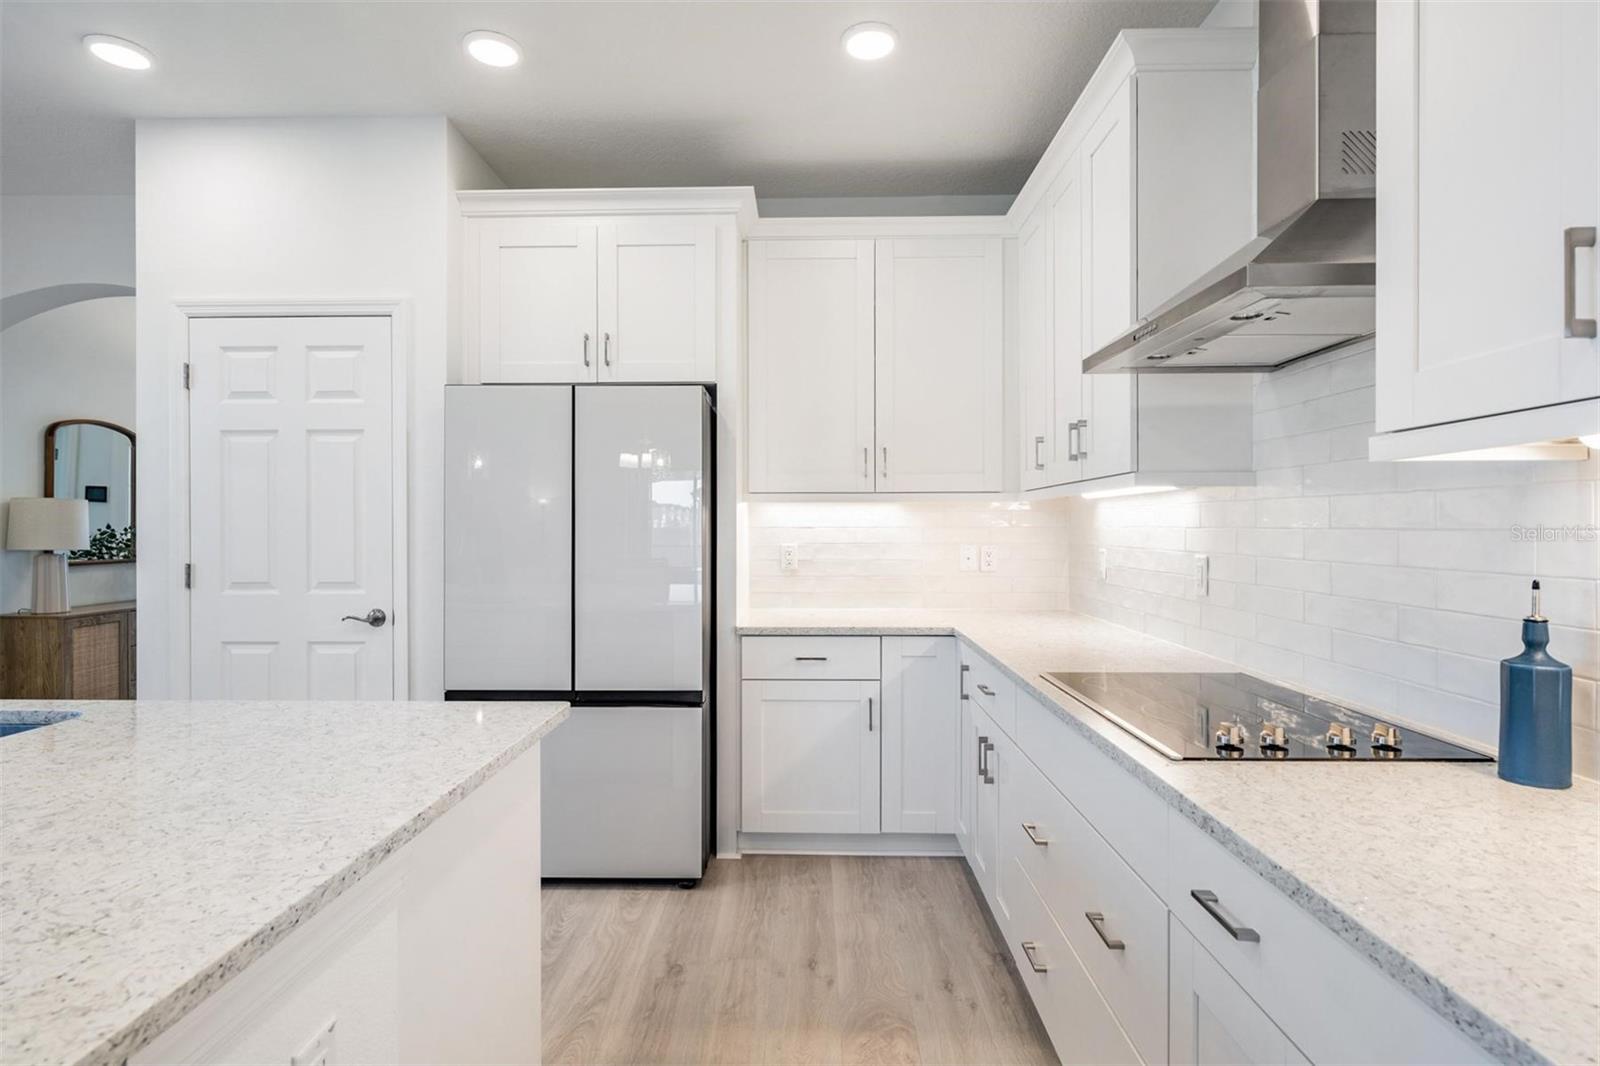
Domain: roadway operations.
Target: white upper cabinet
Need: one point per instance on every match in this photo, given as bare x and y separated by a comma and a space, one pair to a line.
1490, 192
535, 308
598, 286
1148, 186
657, 301
1108, 234
810, 371
939, 364
876, 365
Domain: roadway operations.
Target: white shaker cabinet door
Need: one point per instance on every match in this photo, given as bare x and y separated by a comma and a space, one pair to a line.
535, 314
1108, 230
1213, 1022
810, 756
1069, 327
939, 365
810, 366
920, 717
1035, 326
657, 299
1487, 117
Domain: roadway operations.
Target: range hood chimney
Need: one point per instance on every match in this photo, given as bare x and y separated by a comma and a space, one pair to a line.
1305, 284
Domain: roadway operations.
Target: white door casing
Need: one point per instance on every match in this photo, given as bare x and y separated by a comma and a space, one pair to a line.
292, 507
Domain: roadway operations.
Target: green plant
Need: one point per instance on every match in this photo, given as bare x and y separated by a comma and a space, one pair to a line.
108, 543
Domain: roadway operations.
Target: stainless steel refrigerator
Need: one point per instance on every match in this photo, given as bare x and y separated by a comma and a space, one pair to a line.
578, 565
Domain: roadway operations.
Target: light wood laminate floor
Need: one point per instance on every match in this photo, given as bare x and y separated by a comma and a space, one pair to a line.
784, 959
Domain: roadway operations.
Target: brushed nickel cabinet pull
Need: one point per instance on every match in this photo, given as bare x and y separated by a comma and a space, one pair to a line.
1098, 920
1083, 435
983, 747
810, 658
988, 771
869, 714
866, 463
1028, 949
1032, 829
1208, 899
964, 669
1038, 453
607, 344
585, 349
985, 689
1574, 238
886, 461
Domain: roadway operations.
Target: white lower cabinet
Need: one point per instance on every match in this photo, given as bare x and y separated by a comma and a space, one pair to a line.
826, 748
1080, 1024
967, 778
1214, 1023
994, 759
810, 756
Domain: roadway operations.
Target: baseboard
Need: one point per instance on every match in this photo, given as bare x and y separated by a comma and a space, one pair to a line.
908, 844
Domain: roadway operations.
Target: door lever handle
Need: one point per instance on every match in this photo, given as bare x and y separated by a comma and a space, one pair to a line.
374, 618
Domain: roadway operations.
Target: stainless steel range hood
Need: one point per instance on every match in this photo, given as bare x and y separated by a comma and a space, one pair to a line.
1305, 284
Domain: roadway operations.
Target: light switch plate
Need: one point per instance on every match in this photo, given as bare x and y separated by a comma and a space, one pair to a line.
1101, 554
969, 557
1202, 576
318, 1051
788, 557
986, 557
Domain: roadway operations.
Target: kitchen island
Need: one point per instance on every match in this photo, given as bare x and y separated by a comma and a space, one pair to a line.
223, 881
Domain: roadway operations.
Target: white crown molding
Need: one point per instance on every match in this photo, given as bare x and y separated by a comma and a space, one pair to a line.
736, 200
867, 228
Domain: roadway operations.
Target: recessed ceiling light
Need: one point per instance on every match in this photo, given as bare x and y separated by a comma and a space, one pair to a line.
117, 52
492, 49
869, 40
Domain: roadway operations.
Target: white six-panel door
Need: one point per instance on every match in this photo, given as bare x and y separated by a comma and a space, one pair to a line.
1482, 178
291, 508
810, 370
939, 365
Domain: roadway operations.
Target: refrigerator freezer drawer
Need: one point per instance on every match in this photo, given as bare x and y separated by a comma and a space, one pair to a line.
624, 794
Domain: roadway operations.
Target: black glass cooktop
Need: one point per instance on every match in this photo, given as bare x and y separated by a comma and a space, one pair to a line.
1236, 716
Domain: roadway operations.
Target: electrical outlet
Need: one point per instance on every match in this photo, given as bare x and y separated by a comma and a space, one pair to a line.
1101, 555
986, 556
1202, 575
318, 1051
788, 557
969, 557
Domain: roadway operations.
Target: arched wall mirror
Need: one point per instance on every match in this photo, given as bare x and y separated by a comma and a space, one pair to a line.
87, 459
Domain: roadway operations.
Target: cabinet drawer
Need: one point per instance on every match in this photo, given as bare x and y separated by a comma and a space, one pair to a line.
1131, 817
986, 685
1080, 1024
1077, 874
1295, 967
811, 658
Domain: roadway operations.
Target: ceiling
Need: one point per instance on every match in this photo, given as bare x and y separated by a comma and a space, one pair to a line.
733, 93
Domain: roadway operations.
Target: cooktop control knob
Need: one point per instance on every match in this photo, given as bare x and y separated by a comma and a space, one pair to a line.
1340, 741
1385, 741
1230, 741
1272, 742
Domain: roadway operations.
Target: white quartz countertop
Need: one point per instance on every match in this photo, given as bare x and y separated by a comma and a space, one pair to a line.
1481, 897
149, 850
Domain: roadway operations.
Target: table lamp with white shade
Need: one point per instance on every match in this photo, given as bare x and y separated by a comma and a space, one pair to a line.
50, 527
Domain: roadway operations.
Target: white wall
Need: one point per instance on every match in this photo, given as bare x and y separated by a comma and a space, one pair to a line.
75, 361
284, 209
877, 554
1398, 585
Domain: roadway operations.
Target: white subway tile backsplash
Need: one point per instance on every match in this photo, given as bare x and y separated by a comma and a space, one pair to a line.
1396, 585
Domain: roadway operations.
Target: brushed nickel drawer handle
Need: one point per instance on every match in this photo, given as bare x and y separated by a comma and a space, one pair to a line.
585, 349
1573, 238
1028, 949
1098, 920
608, 348
1208, 899
964, 669
988, 771
983, 746
869, 714
985, 689
1032, 829
810, 658
1038, 453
